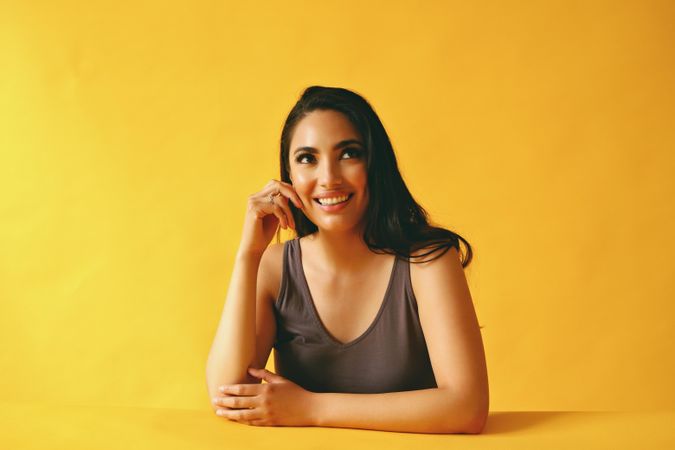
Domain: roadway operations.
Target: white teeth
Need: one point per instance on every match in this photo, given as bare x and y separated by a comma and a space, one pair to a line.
334, 200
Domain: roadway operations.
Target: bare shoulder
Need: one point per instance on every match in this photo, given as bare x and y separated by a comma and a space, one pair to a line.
443, 270
451, 257
269, 272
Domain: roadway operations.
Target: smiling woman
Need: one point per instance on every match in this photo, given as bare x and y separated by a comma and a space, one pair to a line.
395, 221
368, 331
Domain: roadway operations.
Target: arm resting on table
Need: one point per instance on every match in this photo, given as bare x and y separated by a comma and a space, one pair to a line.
434, 410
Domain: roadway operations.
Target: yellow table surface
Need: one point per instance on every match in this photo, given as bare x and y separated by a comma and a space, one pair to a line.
38, 426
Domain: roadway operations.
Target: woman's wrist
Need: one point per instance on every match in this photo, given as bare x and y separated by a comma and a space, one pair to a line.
313, 403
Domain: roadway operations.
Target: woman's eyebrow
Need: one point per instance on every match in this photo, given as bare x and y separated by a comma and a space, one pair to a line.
336, 147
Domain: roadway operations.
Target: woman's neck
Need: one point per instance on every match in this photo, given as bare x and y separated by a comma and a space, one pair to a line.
343, 253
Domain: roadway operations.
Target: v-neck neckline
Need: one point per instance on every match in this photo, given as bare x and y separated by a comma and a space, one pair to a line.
315, 313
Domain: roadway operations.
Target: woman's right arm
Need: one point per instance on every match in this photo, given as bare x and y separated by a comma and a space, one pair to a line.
233, 348
234, 345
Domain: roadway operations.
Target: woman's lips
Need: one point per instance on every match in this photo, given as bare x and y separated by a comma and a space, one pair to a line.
336, 207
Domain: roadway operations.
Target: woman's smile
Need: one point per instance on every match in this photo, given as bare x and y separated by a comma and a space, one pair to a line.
334, 204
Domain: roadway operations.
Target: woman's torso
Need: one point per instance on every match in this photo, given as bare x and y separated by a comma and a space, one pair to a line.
358, 333
346, 303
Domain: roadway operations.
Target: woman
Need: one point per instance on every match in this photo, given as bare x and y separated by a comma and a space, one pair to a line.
368, 308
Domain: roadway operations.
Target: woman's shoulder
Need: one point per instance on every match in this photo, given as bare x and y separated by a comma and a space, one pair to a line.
273, 256
434, 270
423, 265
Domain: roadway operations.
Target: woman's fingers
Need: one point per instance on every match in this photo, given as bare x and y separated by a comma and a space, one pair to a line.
259, 228
282, 204
239, 414
288, 191
239, 408
266, 202
281, 215
237, 401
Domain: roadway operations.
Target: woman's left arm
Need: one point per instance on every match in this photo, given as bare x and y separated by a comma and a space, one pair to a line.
460, 404
433, 410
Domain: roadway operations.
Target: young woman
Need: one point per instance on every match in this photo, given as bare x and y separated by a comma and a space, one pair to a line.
368, 308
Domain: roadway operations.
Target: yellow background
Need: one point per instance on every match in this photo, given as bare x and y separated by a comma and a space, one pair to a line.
131, 134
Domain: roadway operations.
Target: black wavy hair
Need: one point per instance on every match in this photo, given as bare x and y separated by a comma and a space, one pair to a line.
395, 222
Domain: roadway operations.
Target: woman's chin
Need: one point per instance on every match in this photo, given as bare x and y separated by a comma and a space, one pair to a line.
337, 226
336, 223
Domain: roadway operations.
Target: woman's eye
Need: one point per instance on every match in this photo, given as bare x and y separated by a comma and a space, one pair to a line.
354, 151
300, 157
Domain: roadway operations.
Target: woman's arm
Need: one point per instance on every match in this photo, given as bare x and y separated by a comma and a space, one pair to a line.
237, 346
433, 410
460, 404
234, 346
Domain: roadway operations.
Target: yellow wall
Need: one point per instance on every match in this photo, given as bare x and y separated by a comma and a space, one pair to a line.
131, 135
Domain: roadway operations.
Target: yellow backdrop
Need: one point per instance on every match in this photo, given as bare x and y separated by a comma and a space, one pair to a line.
131, 134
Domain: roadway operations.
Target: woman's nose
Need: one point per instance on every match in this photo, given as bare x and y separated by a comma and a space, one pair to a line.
330, 174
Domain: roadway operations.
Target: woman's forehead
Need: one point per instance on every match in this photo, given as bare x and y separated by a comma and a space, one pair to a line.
324, 128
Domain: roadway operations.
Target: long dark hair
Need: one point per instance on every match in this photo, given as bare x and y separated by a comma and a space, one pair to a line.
395, 222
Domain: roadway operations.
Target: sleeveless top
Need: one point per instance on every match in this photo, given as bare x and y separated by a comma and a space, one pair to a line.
390, 356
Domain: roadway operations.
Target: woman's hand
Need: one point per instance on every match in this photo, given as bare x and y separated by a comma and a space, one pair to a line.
264, 216
279, 402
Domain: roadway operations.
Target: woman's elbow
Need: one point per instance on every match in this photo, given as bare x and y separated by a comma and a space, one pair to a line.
478, 419
478, 416
477, 425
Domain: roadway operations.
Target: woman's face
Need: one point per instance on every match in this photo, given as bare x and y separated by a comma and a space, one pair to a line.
328, 159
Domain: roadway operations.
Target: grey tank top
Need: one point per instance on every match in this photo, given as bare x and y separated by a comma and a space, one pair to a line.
390, 356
